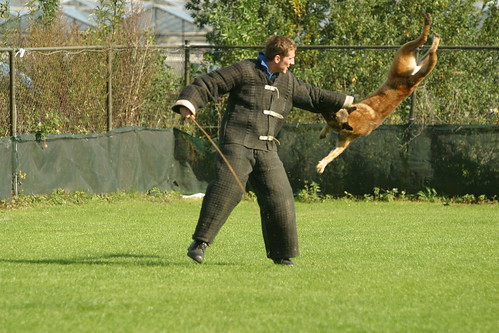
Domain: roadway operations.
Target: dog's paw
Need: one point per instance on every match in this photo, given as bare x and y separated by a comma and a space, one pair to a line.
321, 166
427, 19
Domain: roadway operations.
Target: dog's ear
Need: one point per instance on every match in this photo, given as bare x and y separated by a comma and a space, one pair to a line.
345, 126
351, 109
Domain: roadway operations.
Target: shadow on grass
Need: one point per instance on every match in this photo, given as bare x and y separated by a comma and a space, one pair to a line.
123, 259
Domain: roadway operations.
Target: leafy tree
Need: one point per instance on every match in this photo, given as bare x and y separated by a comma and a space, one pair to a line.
48, 9
68, 92
4, 9
368, 23
109, 16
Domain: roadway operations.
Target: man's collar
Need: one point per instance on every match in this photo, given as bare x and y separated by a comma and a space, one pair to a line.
261, 57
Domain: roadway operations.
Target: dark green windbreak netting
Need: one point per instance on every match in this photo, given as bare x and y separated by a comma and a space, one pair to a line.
453, 160
6, 168
126, 159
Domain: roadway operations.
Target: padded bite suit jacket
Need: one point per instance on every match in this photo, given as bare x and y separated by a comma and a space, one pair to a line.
257, 105
256, 110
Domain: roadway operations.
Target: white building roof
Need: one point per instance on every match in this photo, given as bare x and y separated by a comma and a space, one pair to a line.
169, 20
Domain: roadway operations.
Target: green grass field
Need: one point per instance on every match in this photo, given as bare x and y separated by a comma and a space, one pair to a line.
364, 267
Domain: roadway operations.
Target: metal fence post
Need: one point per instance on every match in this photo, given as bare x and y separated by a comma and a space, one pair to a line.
187, 63
110, 89
13, 120
13, 111
413, 106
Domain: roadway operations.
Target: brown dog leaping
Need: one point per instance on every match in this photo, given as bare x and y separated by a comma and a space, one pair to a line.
404, 76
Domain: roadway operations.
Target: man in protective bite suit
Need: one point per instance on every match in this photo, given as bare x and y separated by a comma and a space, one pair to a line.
262, 92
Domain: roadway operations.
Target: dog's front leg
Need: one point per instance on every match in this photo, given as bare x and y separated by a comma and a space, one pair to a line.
344, 140
324, 131
328, 159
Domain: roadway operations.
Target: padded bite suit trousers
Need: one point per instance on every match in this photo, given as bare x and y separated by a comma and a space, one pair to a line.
267, 176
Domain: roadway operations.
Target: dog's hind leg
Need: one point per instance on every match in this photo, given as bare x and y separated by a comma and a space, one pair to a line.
429, 60
413, 45
405, 62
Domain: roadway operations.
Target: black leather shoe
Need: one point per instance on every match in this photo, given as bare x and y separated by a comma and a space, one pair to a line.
196, 251
284, 261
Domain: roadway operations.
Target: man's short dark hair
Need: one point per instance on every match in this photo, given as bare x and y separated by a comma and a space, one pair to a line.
278, 45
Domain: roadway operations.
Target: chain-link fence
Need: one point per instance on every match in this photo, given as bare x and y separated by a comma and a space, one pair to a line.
82, 90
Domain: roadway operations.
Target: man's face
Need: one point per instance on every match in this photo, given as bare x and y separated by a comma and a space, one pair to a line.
283, 63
